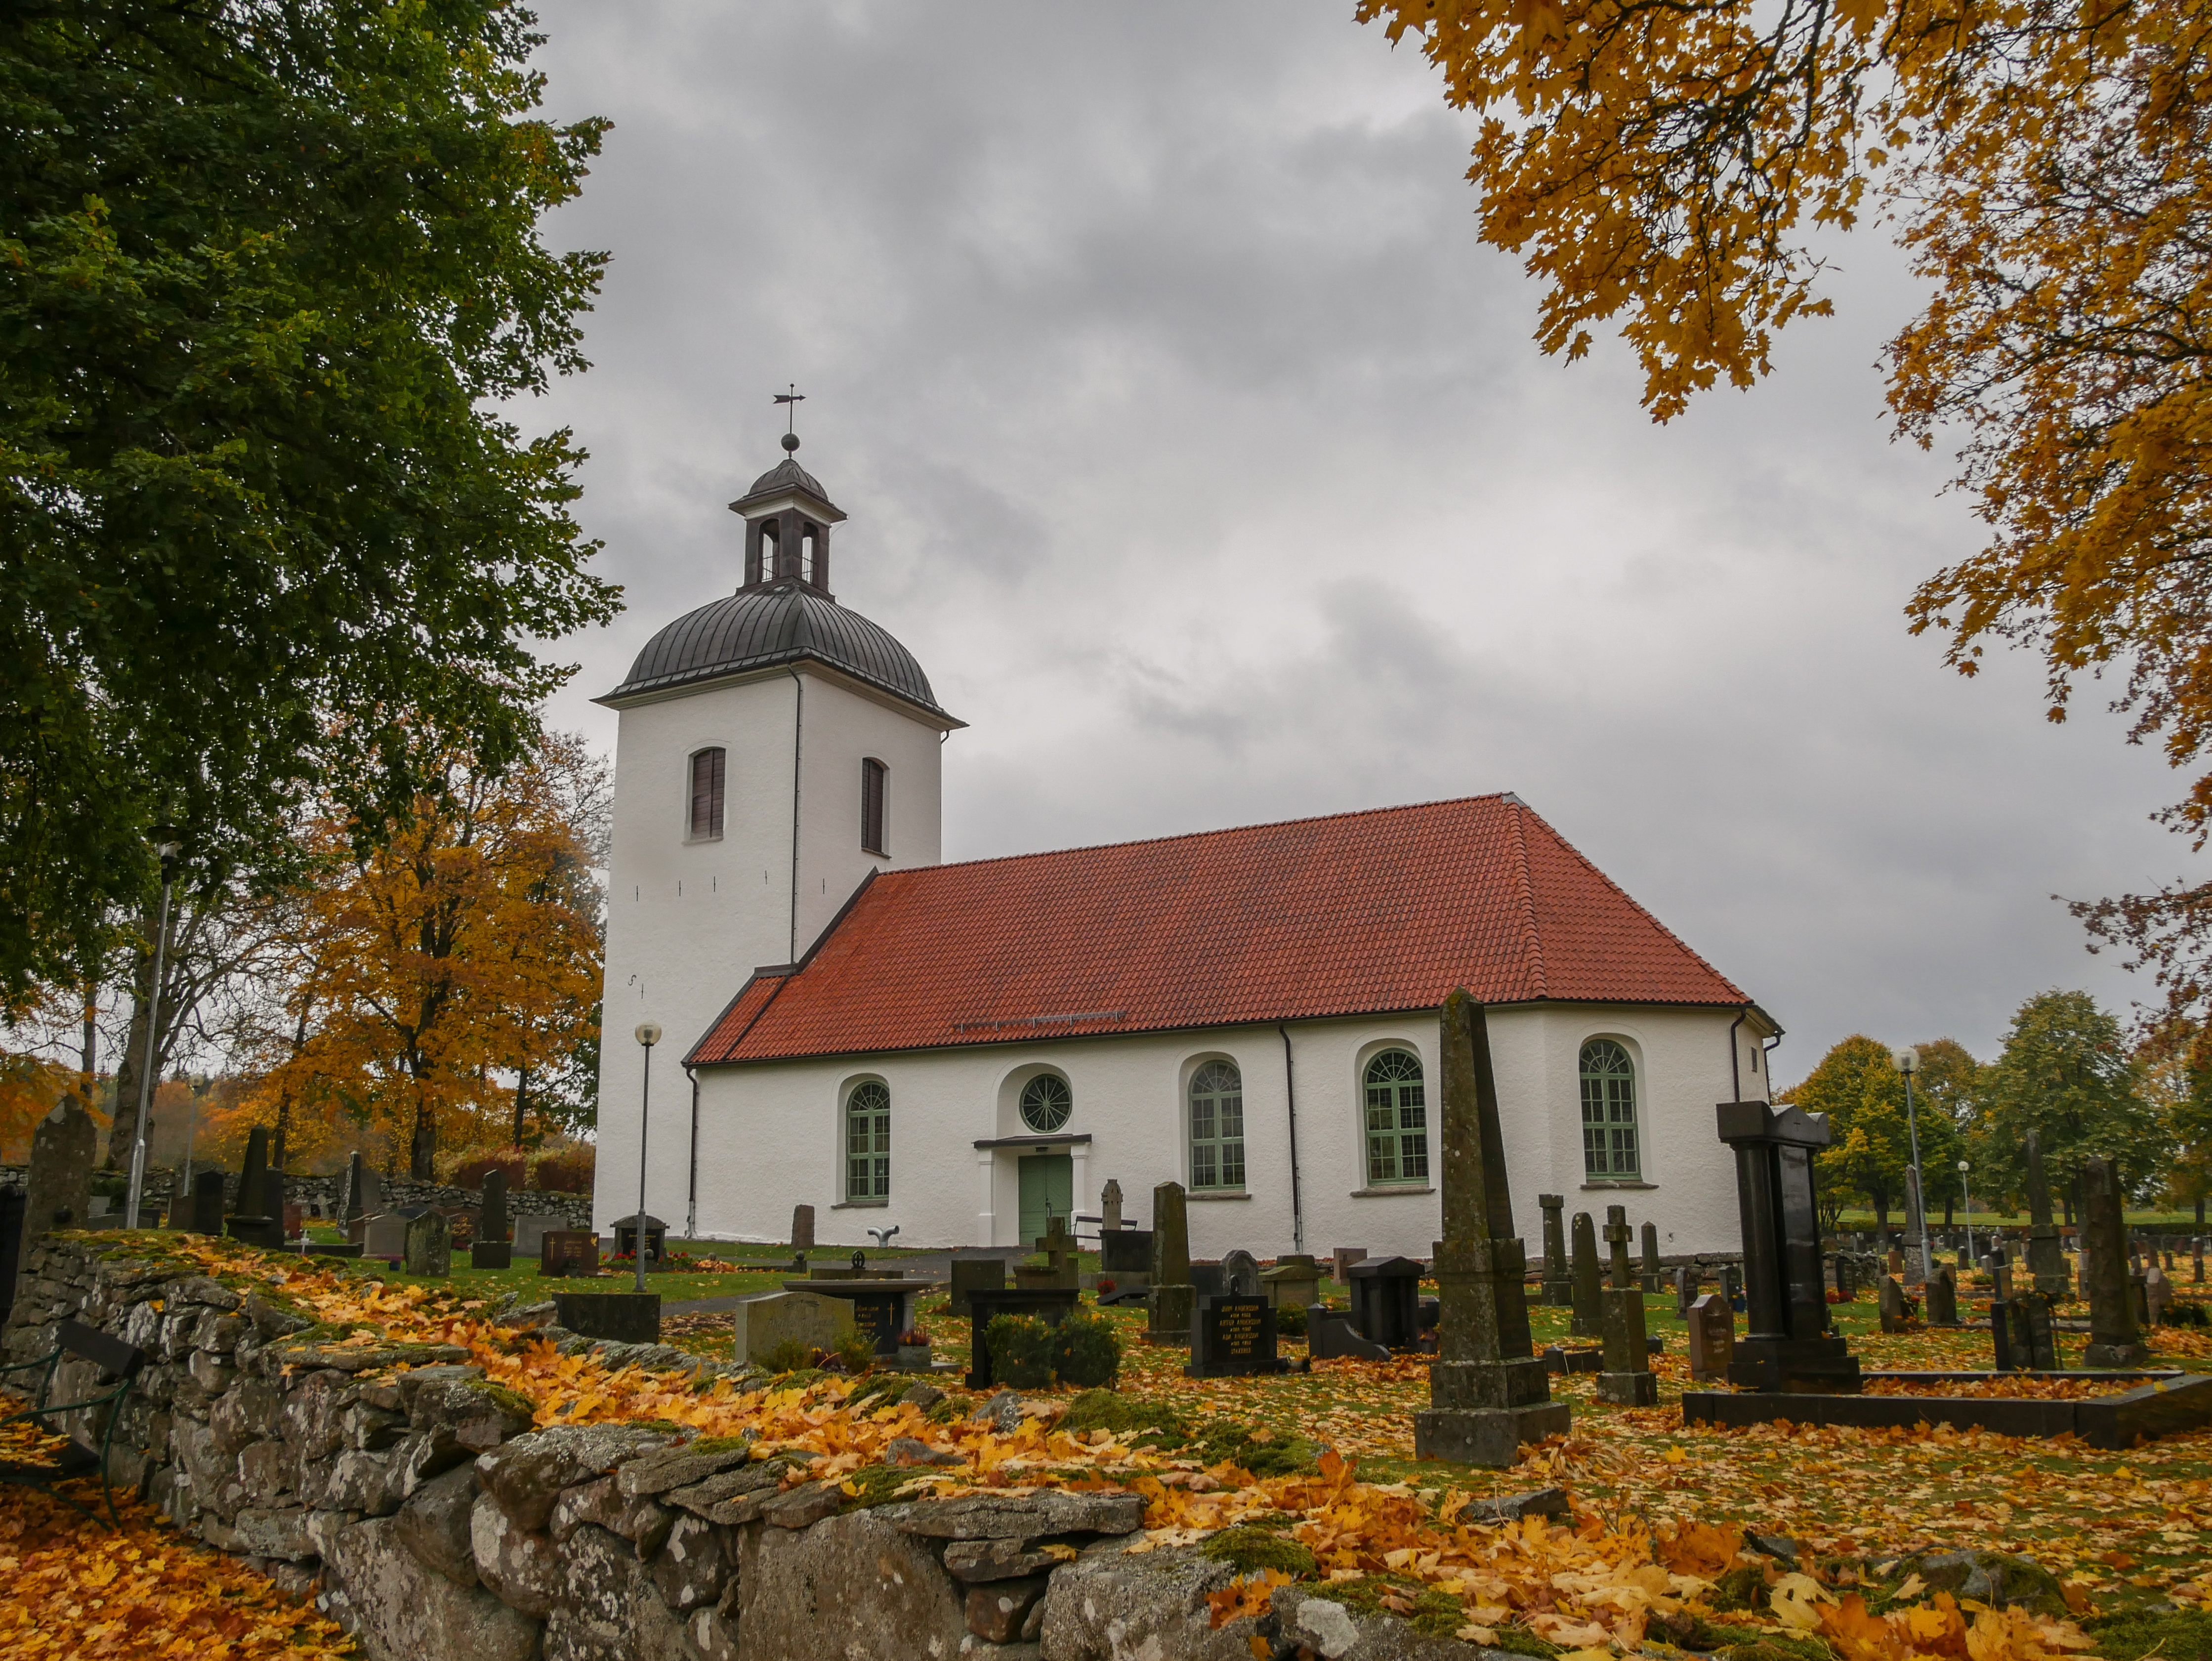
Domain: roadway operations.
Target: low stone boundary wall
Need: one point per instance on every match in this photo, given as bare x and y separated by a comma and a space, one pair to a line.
426, 1514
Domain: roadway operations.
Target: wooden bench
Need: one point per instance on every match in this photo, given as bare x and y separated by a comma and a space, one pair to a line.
116, 1361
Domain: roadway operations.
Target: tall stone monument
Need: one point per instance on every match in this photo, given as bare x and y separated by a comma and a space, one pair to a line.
250, 1223
207, 1202
488, 1249
1653, 1269
1558, 1283
1587, 1320
1173, 1299
58, 1188
2046, 1257
1488, 1392
2115, 1341
1788, 1344
1620, 1272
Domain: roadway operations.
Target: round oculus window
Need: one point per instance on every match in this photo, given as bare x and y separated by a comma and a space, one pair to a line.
1047, 1102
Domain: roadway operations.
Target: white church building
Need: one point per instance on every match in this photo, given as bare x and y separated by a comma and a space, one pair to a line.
965, 1050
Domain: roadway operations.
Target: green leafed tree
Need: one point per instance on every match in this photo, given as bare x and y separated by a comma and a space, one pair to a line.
1858, 1086
271, 276
2067, 1073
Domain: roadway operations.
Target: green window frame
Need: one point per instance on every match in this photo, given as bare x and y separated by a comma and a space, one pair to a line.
868, 1142
1397, 1119
1045, 1102
1610, 1150
1217, 1127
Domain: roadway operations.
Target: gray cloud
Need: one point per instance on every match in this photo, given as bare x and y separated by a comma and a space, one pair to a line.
1197, 448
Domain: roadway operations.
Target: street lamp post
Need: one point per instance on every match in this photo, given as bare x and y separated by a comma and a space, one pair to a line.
169, 850
1907, 1062
649, 1034
1967, 1193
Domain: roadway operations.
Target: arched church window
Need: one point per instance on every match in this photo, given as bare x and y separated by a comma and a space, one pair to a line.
868, 1143
1610, 1150
873, 777
1397, 1119
770, 551
806, 546
1045, 1102
1217, 1127
706, 772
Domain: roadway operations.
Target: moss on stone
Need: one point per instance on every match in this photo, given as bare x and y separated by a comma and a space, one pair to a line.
1109, 1409
1437, 1615
1768, 1647
1519, 1640
877, 1485
1743, 1588
718, 1444
1250, 1549
2139, 1635
513, 1400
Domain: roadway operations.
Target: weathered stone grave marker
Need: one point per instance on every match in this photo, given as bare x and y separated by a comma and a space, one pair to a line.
1558, 1277
1653, 1269
2115, 1339
1941, 1300
429, 1249
1341, 1260
58, 1187
570, 1252
1894, 1317
1712, 1337
207, 1202
1109, 1207
1488, 1392
975, 1275
802, 1229
1294, 1279
1125, 1257
488, 1249
531, 1228
1173, 1300
2046, 1261
761, 1325
1587, 1320
1240, 1273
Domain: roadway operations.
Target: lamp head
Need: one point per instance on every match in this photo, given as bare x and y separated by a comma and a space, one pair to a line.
1906, 1060
649, 1033
1964, 1167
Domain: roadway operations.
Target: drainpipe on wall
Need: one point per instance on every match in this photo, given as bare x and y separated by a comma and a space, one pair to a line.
1767, 1052
798, 728
1291, 1095
1736, 1061
691, 1214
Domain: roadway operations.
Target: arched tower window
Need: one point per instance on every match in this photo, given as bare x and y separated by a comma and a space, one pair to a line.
706, 771
1610, 1150
1397, 1119
1045, 1102
809, 542
873, 777
1217, 1127
868, 1143
771, 551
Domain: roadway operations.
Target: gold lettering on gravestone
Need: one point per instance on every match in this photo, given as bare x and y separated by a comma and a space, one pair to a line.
1240, 1330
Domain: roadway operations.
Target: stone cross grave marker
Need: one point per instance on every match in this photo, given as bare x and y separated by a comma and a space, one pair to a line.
1235, 1334
58, 1187
1488, 1391
1627, 1380
1110, 1206
802, 1228
1788, 1344
764, 1323
1587, 1320
1653, 1269
1558, 1279
1058, 1246
1712, 1337
2115, 1339
975, 1275
430, 1248
1172, 1301
490, 1248
1620, 1272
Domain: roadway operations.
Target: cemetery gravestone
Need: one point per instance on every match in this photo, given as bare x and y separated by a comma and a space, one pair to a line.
1788, 1344
1893, 1318
568, 1252
11, 1247
1331, 1332
656, 1239
2046, 1260
1386, 1301
251, 1223
1620, 1273
490, 1248
1732, 1286
1208, 1279
430, 1248
1240, 1269
1686, 1290
1235, 1334
1342, 1260
802, 1228
386, 1236
1058, 1246
1847, 1290
58, 1187
1712, 1337
1894, 1263
975, 1275
531, 1228
1172, 1301
1627, 1380
1587, 1320
207, 1202
619, 1317
1942, 1298
1488, 1392
295, 1220
1109, 1207
1558, 1280
2158, 1293
1125, 1257
765, 1324
1294, 1279
1916, 1230
2115, 1339
1051, 1304
1653, 1270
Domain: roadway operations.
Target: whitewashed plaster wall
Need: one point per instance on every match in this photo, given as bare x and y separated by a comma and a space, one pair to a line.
689, 921
769, 1135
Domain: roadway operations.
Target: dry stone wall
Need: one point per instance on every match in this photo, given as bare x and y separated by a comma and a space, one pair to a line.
424, 1512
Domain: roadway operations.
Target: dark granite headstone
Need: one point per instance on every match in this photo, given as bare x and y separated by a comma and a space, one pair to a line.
1234, 1334
623, 1317
570, 1251
1788, 1344
1210, 1280
975, 1275
1386, 1301
1051, 1304
1621, 1271
1126, 1252
656, 1239
802, 1229
1686, 1290
490, 1248
1712, 1337
1941, 1297
2115, 1336
1558, 1280
207, 1202
2046, 1257
1331, 1332
1653, 1269
1588, 1318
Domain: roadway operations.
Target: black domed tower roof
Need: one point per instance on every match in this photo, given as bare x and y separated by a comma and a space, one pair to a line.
784, 613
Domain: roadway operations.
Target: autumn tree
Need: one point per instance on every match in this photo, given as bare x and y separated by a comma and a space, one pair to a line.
462, 948
2067, 1073
273, 285
1858, 1086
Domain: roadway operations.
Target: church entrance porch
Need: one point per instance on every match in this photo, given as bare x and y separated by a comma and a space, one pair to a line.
1048, 1190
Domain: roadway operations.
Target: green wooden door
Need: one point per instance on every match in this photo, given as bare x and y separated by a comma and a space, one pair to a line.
1048, 1190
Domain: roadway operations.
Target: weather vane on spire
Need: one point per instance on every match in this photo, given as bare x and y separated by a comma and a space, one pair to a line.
792, 398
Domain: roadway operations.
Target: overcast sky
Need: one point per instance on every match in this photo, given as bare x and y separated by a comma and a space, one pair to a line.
1199, 450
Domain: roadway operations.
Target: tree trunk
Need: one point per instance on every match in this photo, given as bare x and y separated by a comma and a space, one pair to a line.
522, 1093
2200, 1214
422, 1146
1881, 1198
1949, 1202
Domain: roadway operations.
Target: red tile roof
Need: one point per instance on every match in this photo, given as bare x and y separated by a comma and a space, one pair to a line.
1353, 914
